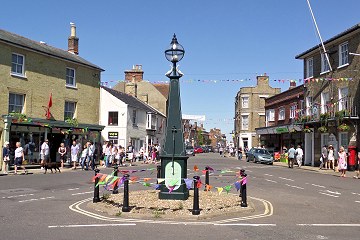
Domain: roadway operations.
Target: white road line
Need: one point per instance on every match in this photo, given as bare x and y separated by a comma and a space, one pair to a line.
247, 224
22, 195
287, 179
337, 193
357, 201
81, 193
35, 199
73, 189
330, 225
335, 196
315, 185
249, 171
268, 180
93, 225
294, 186
268, 175
355, 193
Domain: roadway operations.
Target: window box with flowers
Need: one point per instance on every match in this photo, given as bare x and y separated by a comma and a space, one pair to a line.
307, 129
343, 127
323, 129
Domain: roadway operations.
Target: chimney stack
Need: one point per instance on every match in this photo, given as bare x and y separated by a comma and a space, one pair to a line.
292, 84
262, 80
135, 74
73, 41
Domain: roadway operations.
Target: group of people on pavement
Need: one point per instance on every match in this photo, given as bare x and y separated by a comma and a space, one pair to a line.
295, 154
328, 159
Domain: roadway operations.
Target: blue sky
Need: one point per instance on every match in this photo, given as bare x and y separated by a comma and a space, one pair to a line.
231, 39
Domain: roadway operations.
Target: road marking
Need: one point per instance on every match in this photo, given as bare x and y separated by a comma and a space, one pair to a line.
268, 175
249, 171
315, 185
81, 193
337, 193
287, 179
246, 224
72, 189
335, 196
357, 201
294, 186
330, 225
22, 195
93, 225
36, 199
268, 180
356, 193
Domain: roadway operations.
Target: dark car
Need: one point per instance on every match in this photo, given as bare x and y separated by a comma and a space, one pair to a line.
259, 155
198, 150
210, 149
190, 150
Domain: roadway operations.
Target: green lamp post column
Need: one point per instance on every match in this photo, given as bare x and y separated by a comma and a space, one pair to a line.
173, 156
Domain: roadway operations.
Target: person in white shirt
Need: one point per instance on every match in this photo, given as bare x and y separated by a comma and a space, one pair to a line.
45, 153
91, 147
299, 155
19, 158
74, 153
84, 157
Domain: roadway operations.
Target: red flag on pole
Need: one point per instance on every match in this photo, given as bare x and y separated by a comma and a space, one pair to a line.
48, 113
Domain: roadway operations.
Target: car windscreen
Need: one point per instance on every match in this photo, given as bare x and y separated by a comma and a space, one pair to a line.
262, 151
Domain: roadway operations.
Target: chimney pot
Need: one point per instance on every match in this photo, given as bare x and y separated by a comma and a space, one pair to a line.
135, 74
73, 41
292, 84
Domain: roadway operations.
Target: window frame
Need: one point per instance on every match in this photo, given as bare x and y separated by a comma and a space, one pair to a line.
244, 124
342, 138
244, 104
15, 105
325, 68
112, 123
324, 106
281, 114
73, 113
134, 118
309, 105
270, 115
343, 100
293, 109
341, 57
308, 75
22, 74
68, 76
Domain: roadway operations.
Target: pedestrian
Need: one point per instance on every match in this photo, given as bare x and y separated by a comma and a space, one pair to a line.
74, 154
45, 153
342, 163
84, 157
153, 155
122, 155
324, 156
291, 156
19, 158
130, 153
330, 158
357, 166
221, 150
62, 152
91, 154
108, 153
299, 155
6, 157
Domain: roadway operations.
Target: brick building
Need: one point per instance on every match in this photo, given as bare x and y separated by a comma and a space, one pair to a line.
155, 95
282, 111
30, 72
250, 111
332, 93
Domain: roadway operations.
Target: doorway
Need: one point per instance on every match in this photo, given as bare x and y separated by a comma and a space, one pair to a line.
309, 149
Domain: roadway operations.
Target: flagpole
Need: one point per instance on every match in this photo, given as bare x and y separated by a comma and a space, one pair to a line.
318, 32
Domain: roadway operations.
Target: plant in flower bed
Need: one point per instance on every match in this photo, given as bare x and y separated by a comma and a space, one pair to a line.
344, 127
307, 129
323, 129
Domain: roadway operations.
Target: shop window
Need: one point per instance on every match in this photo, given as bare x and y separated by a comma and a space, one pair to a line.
69, 111
113, 118
16, 102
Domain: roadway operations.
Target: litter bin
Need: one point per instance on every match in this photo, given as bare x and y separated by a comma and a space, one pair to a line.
352, 158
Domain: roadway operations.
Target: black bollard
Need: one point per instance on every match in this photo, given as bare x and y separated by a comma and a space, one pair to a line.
158, 172
207, 181
116, 188
196, 209
96, 188
125, 207
242, 172
243, 194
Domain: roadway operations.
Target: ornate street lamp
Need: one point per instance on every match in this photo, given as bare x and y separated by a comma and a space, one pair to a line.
173, 156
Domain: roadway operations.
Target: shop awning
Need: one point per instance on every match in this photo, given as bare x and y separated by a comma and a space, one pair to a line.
279, 129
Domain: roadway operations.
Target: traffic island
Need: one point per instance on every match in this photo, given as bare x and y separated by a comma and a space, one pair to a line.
146, 205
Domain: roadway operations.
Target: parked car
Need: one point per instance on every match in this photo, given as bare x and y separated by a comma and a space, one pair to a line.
260, 155
205, 149
210, 149
198, 150
190, 150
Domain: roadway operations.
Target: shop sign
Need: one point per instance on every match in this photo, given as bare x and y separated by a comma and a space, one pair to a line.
113, 135
282, 130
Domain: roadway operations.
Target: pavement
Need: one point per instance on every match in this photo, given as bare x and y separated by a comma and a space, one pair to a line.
301, 204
